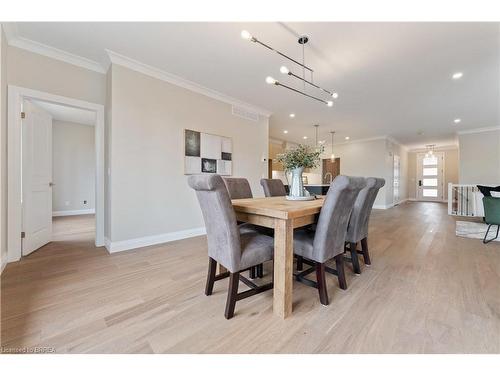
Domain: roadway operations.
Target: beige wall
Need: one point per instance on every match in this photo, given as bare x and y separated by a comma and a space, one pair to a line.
73, 166
149, 191
480, 158
37, 72
450, 171
3, 149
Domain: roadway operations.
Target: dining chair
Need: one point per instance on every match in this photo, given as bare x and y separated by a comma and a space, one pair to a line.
273, 187
235, 250
327, 241
239, 188
357, 230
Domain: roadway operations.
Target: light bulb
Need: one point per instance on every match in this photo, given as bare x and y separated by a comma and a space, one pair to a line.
347, 138
304, 137
270, 80
246, 35
430, 152
329, 103
457, 75
284, 70
335, 95
292, 115
285, 131
457, 120
332, 157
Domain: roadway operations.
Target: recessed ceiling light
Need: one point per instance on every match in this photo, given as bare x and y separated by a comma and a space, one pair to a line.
335, 95
457, 120
347, 138
292, 115
305, 137
457, 75
285, 131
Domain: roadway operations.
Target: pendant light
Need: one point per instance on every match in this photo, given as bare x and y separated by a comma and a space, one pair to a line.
332, 156
316, 126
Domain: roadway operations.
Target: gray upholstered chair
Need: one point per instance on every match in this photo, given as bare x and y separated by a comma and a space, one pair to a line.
273, 187
327, 241
357, 230
239, 188
235, 251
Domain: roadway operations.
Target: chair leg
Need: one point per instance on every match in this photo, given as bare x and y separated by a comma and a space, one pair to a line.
232, 293
260, 270
486, 235
339, 262
364, 248
212, 267
321, 280
252, 272
300, 263
354, 257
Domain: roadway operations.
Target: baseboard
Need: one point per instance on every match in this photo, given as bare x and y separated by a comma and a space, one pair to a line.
387, 206
4, 263
117, 246
73, 212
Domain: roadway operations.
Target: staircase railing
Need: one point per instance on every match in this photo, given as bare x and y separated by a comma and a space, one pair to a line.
463, 200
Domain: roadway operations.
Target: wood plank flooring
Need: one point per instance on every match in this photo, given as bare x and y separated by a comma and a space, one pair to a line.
427, 291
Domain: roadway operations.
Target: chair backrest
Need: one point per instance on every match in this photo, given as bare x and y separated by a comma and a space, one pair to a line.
492, 210
358, 223
273, 187
331, 229
223, 235
238, 188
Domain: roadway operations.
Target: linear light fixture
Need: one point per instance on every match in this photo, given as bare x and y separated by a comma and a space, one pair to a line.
247, 36
284, 70
272, 81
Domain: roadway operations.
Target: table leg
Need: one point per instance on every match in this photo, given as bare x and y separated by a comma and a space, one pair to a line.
283, 267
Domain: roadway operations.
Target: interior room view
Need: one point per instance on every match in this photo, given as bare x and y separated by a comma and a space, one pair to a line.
250, 187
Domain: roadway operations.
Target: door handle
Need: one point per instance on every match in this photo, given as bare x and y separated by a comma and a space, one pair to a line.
51, 184
419, 182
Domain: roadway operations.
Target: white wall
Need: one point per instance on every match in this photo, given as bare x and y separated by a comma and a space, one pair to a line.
479, 157
73, 166
149, 191
3, 149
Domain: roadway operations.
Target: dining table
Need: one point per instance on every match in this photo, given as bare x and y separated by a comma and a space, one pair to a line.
283, 216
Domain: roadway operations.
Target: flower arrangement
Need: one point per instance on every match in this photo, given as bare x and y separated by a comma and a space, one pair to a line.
301, 156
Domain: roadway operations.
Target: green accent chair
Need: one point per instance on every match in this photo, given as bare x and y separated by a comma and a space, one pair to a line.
491, 215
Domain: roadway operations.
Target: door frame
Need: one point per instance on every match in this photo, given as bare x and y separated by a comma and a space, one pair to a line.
16, 95
443, 177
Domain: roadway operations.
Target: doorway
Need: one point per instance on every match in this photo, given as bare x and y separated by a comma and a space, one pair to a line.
430, 176
30, 175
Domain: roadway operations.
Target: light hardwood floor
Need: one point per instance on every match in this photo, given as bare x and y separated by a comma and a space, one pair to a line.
427, 291
69, 226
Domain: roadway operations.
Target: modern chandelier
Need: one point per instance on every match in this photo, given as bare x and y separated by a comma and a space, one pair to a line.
284, 70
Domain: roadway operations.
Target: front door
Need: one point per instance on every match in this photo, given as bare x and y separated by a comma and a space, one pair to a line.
37, 177
430, 176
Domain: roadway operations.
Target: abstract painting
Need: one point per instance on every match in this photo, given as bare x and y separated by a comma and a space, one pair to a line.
207, 153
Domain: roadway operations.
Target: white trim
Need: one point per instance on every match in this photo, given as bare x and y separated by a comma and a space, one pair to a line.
405, 148
162, 75
4, 264
16, 95
73, 212
440, 148
117, 246
479, 130
15, 40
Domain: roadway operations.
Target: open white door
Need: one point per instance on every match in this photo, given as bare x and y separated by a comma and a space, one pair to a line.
37, 177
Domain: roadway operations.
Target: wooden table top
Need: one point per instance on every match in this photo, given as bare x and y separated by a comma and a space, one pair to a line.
278, 207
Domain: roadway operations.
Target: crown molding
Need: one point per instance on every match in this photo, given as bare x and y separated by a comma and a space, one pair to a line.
393, 140
440, 148
115, 58
14, 40
479, 130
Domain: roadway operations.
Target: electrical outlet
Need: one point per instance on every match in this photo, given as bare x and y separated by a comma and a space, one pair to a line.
84, 202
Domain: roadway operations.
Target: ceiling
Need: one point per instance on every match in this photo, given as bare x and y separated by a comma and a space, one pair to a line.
69, 114
393, 79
